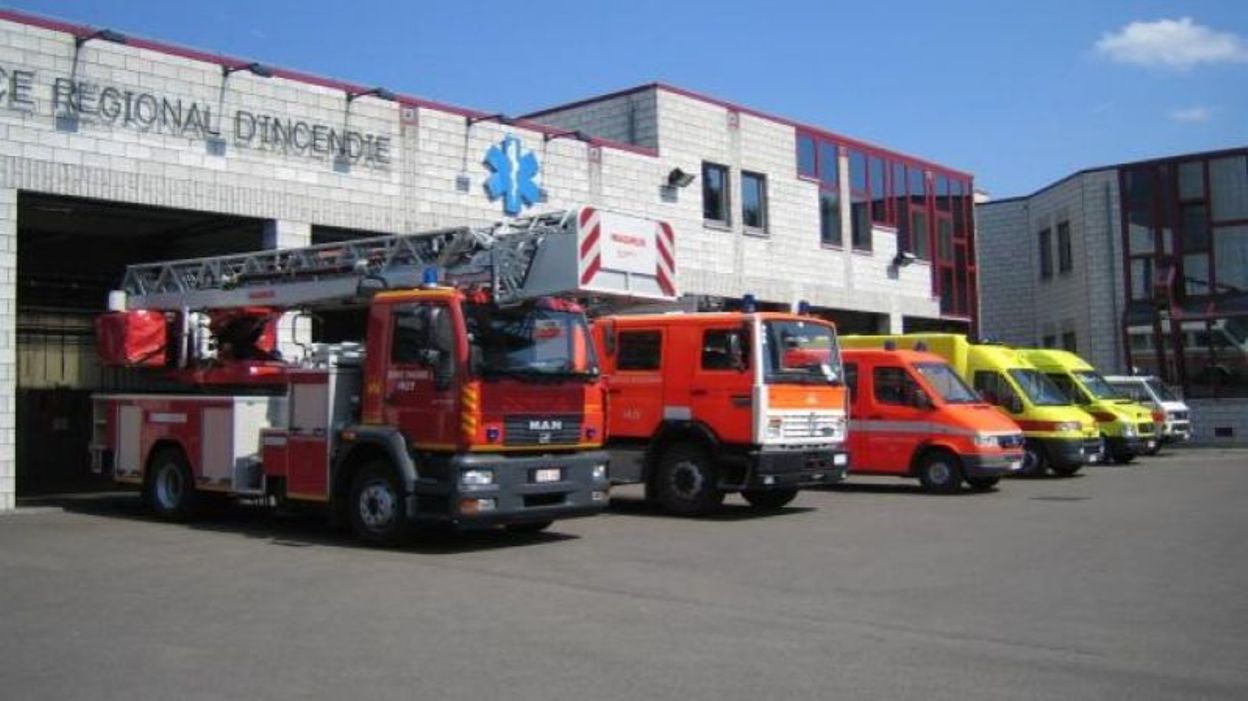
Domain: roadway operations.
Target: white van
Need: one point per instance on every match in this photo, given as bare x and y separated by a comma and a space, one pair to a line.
1151, 392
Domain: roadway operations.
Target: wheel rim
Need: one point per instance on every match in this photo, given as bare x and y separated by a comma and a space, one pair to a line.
1030, 459
169, 487
377, 505
686, 480
939, 472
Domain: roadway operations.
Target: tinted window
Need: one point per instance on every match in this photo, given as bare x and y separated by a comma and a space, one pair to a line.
921, 245
806, 156
829, 163
851, 380
411, 334
715, 192
879, 210
857, 171
994, 389
946, 383
1045, 240
1064, 252
1068, 388
639, 350
893, 386
829, 218
754, 200
942, 192
862, 225
1069, 343
1231, 259
717, 350
1228, 187
1191, 180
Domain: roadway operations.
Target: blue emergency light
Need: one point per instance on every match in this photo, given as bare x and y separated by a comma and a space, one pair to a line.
429, 276
803, 307
749, 304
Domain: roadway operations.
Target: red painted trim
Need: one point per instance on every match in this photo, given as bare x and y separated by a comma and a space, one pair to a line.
78, 30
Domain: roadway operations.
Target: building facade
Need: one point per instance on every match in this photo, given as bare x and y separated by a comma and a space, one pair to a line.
117, 150
1137, 266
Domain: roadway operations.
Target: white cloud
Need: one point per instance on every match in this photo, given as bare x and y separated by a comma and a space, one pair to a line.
1172, 43
1192, 115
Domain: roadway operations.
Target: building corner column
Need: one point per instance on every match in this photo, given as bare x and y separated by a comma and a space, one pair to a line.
281, 233
8, 349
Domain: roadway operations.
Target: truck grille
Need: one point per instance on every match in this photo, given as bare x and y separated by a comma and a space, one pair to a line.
541, 429
1178, 416
813, 425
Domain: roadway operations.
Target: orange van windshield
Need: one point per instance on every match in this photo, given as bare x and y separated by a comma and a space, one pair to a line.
946, 383
801, 352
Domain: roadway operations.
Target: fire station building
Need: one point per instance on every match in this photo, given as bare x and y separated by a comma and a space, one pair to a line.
118, 150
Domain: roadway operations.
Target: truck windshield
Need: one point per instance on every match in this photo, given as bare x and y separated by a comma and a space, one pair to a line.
530, 341
946, 383
1163, 392
1097, 386
1038, 388
800, 351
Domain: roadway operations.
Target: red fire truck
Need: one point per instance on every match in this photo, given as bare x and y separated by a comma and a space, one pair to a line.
704, 404
473, 397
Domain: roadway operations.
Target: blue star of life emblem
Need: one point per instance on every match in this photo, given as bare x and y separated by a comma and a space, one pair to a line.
513, 176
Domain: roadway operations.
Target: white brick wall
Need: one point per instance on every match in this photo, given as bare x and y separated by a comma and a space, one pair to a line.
8, 358
1208, 415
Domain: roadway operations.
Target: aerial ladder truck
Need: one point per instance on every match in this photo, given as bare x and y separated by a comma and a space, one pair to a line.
472, 398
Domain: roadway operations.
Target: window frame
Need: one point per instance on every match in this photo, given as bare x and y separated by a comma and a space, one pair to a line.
726, 193
763, 228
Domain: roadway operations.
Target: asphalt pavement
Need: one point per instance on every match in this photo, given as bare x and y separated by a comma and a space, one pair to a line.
1121, 583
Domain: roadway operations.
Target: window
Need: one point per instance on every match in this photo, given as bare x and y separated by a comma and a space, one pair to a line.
754, 200
1046, 253
944, 239
1138, 193
857, 172
639, 350
851, 381
829, 163
1228, 188
411, 334
1068, 387
894, 386
1065, 262
1230, 257
920, 237
1050, 341
717, 350
860, 201
1142, 278
879, 201
942, 192
1069, 342
829, 218
1194, 235
806, 165
1191, 180
861, 225
715, 193
994, 389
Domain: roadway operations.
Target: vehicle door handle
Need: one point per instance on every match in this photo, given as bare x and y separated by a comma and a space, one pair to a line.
698, 392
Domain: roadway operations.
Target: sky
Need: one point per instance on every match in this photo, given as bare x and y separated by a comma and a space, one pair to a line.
1019, 93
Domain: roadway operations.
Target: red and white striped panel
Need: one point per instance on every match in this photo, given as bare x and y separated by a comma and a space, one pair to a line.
591, 251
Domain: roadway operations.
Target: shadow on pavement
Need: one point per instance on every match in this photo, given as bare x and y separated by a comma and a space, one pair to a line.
293, 527
632, 506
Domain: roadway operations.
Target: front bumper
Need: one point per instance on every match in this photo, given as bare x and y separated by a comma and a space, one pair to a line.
786, 469
517, 497
1001, 465
1125, 446
1180, 432
1071, 452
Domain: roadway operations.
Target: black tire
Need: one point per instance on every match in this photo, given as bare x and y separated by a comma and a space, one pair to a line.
1066, 470
170, 488
940, 473
1154, 450
1122, 458
1035, 460
687, 482
769, 499
529, 526
377, 510
982, 484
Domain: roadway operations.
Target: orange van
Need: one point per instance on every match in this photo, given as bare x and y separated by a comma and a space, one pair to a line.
699, 405
912, 416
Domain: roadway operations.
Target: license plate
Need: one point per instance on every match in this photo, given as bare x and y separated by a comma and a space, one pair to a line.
547, 474
1016, 464
1152, 444
838, 460
1094, 457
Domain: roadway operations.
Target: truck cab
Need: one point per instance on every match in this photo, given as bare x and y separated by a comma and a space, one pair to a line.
912, 416
700, 405
1170, 413
1059, 435
1127, 427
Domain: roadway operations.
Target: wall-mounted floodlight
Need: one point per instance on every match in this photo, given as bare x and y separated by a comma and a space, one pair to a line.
378, 92
903, 258
104, 34
679, 178
258, 69
500, 118
574, 134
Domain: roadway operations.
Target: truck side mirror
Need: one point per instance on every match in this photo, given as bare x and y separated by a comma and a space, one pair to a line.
1014, 405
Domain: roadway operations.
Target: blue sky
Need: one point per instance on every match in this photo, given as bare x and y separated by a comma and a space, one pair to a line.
1019, 93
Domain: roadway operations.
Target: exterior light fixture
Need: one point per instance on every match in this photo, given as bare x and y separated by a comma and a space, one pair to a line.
679, 178
378, 92
105, 34
258, 69
903, 258
500, 118
574, 134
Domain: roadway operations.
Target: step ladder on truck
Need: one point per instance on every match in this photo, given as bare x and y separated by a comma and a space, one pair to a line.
472, 397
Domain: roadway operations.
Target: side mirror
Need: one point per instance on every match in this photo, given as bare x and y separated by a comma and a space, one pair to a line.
1014, 405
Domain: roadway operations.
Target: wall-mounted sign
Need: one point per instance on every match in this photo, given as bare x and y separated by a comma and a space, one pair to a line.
74, 102
514, 175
